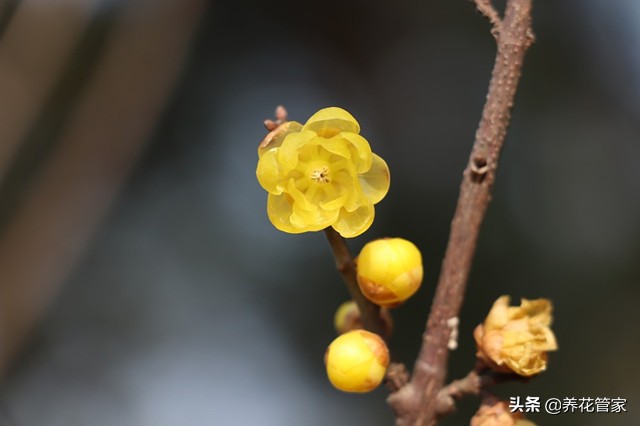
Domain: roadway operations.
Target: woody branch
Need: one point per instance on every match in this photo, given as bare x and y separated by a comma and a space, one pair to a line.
416, 403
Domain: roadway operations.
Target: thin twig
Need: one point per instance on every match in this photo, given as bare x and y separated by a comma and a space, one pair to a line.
489, 11
471, 384
345, 265
477, 381
416, 403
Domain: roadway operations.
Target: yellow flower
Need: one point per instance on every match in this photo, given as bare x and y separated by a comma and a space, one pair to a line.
321, 174
516, 338
498, 414
357, 361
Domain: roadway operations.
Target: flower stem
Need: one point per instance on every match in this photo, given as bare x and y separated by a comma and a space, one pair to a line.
346, 266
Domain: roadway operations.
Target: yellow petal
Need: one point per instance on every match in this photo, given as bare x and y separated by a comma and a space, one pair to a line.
312, 220
334, 198
275, 138
347, 179
550, 342
539, 310
328, 122
361, 151
336, 145
375, 183
268, 172
288, 151
498, 315
279, 210
299, 198
352, 224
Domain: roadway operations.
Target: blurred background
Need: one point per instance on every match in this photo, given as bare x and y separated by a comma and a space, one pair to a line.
141, 282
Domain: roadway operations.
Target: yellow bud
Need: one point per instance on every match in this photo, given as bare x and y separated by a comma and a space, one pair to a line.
389, 271
348, 318
357, 361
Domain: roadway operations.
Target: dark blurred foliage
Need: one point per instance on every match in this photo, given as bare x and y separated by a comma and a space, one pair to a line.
188, 307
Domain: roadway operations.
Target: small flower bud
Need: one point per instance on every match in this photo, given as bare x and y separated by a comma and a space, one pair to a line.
389, 271
516, 338
357, 361
347, 318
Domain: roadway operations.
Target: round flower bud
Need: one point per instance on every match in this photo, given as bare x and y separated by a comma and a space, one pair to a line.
389, 271
357, 361
348, 318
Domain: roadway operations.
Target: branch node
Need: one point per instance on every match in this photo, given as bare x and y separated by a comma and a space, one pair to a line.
479, 168
531, 37
397, 376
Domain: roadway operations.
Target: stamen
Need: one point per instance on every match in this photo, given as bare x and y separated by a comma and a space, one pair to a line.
320, 175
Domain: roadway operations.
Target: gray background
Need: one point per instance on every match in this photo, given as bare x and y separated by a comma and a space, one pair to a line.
188, 307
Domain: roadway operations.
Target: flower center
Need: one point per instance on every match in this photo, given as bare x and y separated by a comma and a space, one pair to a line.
320, 175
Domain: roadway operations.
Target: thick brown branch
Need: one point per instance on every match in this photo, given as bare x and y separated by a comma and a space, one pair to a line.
416, 403
369, 312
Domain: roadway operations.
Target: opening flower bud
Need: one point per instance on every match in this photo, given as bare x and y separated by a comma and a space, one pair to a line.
389, 271
516, 338
357, 361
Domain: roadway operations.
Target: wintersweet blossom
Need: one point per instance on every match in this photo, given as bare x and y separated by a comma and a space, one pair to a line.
516, 338
321, 174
